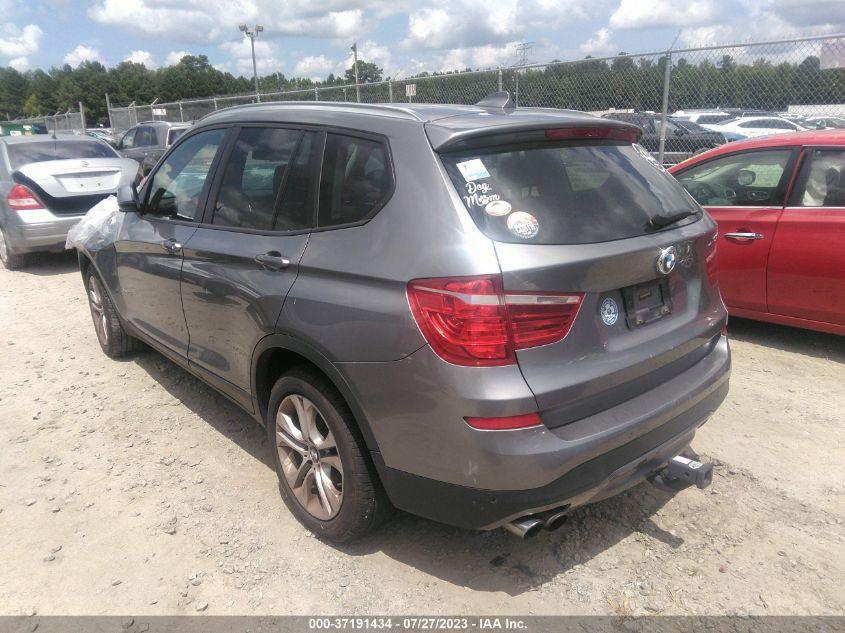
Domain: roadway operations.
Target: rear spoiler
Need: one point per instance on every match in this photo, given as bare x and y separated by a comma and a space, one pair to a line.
544, 127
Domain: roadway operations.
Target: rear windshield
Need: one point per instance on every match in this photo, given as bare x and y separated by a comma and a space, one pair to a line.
565, 193
21, 154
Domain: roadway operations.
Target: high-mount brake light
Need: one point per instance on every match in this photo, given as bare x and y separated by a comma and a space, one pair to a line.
21, 198
612, 133
472, 321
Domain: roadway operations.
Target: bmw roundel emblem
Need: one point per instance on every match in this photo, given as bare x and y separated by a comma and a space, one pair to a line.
667, 259
609, 311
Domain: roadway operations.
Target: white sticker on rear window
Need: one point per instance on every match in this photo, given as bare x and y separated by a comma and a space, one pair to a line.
523, 225
498, 208
473, 170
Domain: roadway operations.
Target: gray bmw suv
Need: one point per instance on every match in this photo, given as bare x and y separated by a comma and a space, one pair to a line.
484, 315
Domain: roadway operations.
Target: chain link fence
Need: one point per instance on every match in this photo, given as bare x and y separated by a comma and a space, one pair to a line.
686, 100
60, 123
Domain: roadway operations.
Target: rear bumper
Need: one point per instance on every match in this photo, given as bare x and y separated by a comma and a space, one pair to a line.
596, 479
39, 230
444, 470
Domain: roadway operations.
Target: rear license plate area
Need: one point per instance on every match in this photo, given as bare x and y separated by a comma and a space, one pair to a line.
647, 302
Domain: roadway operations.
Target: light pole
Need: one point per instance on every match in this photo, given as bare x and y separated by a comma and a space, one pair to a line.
355, 66
252, 35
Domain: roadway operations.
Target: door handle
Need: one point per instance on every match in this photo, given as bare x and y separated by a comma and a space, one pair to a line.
741, 235
273, 260
171, 246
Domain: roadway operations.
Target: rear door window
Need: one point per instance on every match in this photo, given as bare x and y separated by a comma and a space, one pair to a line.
821, 182
565, 193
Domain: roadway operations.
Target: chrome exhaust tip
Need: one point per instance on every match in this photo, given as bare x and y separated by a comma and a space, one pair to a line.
553, 519
526, 527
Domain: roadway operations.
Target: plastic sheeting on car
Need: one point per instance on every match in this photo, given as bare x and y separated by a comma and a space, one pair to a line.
98, 228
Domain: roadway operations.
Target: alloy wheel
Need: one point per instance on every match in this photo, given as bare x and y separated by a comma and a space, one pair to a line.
309, 457
98, 313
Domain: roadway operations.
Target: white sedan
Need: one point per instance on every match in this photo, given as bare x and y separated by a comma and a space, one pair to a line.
757, 126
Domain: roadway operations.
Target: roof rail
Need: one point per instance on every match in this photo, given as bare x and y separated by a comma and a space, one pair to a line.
498, 101
390, 107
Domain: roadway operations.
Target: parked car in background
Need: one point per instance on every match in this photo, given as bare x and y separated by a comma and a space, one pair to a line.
830, 122
700, 129
780, 205
758, 126
681, 141
47, 184
103, 134
147, 142
485, 315
704, 118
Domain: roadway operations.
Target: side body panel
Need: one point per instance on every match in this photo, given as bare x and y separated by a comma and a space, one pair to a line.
149, 277
742, 262
349, 299
806, 272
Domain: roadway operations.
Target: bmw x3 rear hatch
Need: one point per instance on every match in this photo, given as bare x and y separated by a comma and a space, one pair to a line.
584, 214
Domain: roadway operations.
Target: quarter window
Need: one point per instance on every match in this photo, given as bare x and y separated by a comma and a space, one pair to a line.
256, 173
355, 179
178, 183
748, 179
128, 140
822, 180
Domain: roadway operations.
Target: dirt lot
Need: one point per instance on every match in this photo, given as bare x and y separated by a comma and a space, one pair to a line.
131, 487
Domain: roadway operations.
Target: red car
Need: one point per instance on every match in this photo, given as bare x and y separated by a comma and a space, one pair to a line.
780, 205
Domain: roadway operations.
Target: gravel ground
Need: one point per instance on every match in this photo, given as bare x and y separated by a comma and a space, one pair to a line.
130, 487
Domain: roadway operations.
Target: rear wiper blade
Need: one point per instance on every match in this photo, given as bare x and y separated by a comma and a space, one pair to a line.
660, 221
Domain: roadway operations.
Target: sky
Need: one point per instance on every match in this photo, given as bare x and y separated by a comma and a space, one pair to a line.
312, 38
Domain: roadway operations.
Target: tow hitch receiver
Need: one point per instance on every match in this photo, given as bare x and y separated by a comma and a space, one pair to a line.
682, 472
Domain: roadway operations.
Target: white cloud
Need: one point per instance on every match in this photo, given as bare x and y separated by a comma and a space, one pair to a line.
465, 22
600, 44
453, 24
19, 63
140, 57
643, 14
15, 42
81, 54
315, 67
240, 54
214, 20
480, 57
174, 57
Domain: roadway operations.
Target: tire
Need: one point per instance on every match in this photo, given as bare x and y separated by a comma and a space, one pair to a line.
333, 439
9, 259
113, 339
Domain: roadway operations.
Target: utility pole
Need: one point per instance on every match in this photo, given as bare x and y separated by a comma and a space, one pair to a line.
252, 34
355, 66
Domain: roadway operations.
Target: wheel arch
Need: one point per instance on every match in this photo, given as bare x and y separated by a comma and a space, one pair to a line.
277, 353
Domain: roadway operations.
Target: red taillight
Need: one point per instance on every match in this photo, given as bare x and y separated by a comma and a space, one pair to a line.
20, 198
471, 321
502, 424
615, 133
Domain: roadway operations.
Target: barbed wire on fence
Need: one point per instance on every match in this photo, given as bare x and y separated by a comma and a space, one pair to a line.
800, 76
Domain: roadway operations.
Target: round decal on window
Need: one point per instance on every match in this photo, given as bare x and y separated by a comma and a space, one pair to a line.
609, 311
523, 225
498, 208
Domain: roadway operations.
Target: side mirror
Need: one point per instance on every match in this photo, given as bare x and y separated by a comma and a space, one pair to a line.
127, 199
680, 131
745, 177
